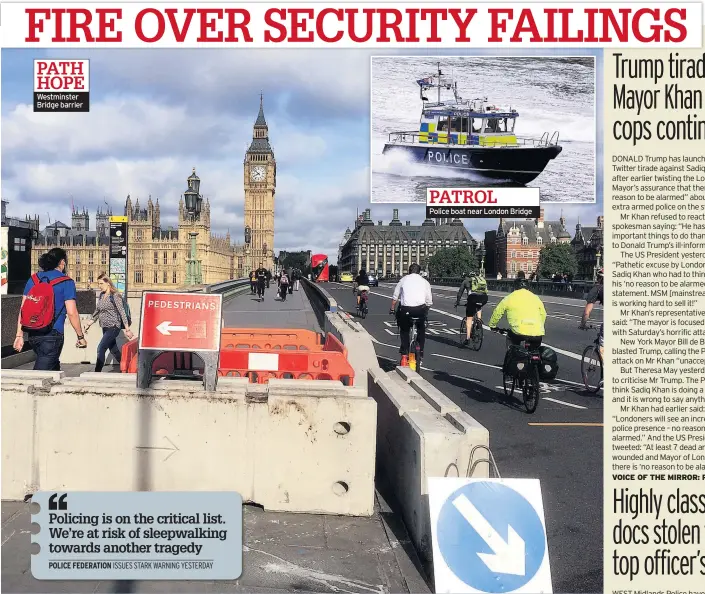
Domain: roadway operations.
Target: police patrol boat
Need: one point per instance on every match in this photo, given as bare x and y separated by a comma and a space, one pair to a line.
472, 135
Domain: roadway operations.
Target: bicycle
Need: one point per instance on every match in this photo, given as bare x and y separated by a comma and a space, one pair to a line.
591, 363
414, 346
362, 306
524, 375
476, 332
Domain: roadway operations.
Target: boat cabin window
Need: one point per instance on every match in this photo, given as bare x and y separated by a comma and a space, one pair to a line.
456, 125
491, 125
499, 125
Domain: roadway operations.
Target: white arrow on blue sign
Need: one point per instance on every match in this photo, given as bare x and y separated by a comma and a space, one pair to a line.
488, 535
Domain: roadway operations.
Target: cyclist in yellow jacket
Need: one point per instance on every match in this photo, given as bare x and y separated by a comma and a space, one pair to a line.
525, 314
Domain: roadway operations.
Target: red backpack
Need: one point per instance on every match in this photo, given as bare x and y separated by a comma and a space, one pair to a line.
37, 313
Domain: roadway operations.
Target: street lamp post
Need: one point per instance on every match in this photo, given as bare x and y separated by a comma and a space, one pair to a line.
248, 240
597, 266
193, 266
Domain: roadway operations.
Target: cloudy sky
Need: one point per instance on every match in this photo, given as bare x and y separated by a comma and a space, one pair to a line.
155, 114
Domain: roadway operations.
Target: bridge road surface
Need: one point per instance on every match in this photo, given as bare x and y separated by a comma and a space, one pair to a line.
246, 311
566, 458
283, 552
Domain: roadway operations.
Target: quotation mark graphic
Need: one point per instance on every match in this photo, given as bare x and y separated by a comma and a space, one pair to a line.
63, 505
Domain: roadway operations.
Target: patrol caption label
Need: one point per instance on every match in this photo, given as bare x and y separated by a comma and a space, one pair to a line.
137, 536
471, 203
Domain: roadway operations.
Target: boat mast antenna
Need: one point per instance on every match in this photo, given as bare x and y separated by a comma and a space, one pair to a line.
439, 83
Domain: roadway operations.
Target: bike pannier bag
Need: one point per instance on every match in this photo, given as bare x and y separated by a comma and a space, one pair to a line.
549, 363
517, 361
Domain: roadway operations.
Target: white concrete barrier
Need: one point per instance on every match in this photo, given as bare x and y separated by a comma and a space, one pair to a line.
421, 434
287, 445
361, 351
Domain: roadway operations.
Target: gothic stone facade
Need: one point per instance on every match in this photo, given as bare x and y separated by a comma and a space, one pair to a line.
156, 257
260, 179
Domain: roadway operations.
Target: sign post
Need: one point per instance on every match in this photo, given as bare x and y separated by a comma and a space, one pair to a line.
188, 322
489, 535
118, 253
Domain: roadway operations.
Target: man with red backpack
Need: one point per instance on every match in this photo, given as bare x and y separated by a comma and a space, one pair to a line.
49, 297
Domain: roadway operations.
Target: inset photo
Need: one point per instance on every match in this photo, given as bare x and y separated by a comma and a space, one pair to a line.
482, 122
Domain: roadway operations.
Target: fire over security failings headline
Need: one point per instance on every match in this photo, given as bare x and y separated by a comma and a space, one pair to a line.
349, 25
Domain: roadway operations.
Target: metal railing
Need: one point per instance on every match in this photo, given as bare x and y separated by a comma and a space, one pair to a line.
576, 289
546, 140
229, 288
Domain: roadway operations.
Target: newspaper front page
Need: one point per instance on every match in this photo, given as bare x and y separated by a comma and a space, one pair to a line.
655, 321
573, 134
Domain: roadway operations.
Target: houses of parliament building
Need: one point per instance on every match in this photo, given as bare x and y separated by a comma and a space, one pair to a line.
156, 257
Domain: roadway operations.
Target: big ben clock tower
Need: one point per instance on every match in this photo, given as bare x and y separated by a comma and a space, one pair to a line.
260, 186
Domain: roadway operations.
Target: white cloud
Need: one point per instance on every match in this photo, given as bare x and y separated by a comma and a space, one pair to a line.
133, 126
333, 80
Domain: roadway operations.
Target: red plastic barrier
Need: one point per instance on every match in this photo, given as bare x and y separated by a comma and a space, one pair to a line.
333, 344
128, 360
260, 354
260, 366
269, 339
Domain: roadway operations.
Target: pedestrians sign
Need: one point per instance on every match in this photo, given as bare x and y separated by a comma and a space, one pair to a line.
180, 321
489, 535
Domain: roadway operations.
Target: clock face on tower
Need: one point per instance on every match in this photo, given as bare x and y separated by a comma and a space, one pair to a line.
258, 173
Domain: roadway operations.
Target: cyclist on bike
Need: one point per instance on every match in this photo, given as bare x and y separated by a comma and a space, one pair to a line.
476, 287
595, 295
526, 315
362, 283
413, 293
261, 276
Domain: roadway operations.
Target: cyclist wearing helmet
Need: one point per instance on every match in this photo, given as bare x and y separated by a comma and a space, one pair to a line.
476, 287
595, 295
526, 315
362, 283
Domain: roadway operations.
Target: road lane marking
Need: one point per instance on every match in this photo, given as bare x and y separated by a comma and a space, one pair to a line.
391, 346
457, 317
422, 367
466, 361
566, 424
571, 383
499, 294
564, 403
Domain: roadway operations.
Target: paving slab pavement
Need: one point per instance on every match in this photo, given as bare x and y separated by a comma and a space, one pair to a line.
283, 553
246, 311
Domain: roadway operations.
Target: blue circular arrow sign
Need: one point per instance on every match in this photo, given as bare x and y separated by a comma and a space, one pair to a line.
491, 537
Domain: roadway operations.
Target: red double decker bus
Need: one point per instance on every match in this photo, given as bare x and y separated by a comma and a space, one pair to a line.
319, 268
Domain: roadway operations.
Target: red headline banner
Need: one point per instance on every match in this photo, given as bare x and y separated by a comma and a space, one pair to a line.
353, 25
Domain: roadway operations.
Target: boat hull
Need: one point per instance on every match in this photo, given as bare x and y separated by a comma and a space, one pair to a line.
519, 164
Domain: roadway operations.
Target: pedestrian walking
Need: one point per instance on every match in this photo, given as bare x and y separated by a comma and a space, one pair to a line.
49, 298
112, 317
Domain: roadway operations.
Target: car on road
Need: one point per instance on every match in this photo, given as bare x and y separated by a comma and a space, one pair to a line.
346, 277
374, 280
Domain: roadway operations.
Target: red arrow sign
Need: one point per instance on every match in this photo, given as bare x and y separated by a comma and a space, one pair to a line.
180, 321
